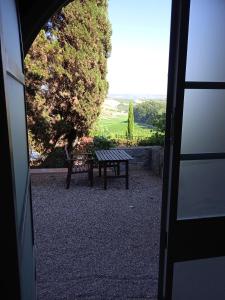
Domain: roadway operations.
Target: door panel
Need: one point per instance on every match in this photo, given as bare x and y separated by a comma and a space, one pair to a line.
201, 189
16, 204
203, 121
192, 234
11, 34
199, 279
27, 257
206, 40
15, 96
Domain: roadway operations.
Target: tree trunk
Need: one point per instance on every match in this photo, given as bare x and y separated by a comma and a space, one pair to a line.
72, 138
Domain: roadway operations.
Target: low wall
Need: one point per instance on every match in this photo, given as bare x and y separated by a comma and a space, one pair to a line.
147, 157
157, 160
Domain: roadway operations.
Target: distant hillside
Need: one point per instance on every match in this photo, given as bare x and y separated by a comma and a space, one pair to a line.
113, 119
137, 96
117, 106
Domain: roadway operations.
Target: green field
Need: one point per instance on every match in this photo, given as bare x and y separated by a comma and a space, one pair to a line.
116, 127
112, 122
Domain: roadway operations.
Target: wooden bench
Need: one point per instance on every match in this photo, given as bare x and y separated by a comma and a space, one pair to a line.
79, 163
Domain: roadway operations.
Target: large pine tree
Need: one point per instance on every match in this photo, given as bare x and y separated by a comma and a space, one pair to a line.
66, 71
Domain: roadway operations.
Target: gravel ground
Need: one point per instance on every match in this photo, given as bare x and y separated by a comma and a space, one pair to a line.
96, 244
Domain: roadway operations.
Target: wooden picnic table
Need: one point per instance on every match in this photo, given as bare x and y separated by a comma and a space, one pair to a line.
113, 158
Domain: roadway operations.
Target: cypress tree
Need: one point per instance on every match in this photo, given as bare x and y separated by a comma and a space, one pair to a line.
130, 122
66, 71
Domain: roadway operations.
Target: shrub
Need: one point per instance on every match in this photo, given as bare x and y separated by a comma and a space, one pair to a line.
100, 143
55, 159
85, 144
156, 139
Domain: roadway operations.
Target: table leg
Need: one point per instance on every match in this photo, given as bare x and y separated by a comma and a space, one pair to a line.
118, 168
99, 169
68, 178
105, 175
127, 174
91, 173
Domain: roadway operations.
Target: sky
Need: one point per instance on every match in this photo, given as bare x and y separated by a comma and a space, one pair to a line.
140, 46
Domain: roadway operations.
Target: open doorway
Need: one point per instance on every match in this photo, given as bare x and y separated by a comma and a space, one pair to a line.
96, 243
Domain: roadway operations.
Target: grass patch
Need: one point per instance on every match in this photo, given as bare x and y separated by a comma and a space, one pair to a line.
116, 126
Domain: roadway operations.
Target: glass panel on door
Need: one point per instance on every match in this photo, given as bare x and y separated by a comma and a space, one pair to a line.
203, 122
199, 279
206, 55
201, 189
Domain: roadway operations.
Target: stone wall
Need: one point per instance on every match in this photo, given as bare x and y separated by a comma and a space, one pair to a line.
157, 160
147, 157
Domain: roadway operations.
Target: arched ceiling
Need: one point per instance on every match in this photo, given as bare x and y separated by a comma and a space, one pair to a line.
33, 15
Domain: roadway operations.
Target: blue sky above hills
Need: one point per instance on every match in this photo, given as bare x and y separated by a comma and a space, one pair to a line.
140, 46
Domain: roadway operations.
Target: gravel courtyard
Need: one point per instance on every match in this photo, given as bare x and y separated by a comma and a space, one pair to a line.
96, 244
